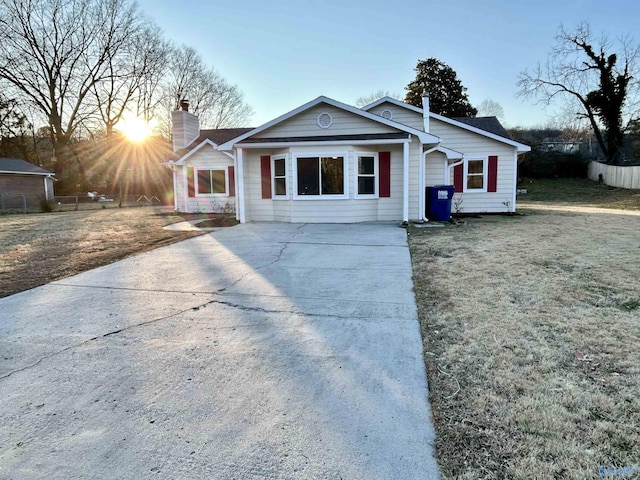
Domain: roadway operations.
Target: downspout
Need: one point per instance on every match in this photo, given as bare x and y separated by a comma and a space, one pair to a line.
235, 181
422, 185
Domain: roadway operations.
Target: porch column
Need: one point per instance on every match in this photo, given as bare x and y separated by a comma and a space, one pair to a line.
405, 182
240, 190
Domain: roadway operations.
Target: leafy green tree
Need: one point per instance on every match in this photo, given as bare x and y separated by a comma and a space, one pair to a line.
447, 95
596, 80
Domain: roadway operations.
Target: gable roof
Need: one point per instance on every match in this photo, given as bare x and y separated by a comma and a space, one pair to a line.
424, 137
216, 137
15, 165
212, 137
487, 126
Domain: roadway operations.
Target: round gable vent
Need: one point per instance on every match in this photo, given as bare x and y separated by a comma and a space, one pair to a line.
324, 120
386, 114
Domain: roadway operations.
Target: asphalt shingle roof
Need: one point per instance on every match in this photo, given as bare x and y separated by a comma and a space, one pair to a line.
16, 165
488, 124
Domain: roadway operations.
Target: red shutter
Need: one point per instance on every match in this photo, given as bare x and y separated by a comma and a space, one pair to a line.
191, 188
492, 181
458, 177
232, 181
265, 173
384, 174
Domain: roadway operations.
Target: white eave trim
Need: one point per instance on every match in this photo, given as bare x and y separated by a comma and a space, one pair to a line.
381, 141
450, 153
47, 174
425, 138
393, 101
206, 141
520, 146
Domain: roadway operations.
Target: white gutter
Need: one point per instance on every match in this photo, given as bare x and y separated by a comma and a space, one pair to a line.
448, 170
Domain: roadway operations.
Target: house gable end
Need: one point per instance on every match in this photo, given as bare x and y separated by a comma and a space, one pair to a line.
327, 122
340, 122
195, 150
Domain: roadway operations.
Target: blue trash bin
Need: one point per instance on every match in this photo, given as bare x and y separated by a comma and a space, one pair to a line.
438, 202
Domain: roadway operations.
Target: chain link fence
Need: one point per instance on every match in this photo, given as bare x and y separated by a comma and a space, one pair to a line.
33, 204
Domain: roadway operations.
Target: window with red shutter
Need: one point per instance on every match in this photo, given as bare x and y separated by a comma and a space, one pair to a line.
384, 179
265, 173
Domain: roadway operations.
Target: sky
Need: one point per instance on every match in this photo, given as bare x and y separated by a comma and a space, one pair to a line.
283, 54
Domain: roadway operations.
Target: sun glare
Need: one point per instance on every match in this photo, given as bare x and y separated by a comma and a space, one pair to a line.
135, 129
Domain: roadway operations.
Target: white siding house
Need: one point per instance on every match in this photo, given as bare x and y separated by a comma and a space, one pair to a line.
328, 162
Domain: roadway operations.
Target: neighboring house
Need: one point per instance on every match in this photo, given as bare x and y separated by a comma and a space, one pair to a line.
19, 178
330, 162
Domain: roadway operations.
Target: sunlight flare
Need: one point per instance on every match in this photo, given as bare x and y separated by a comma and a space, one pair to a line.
135, 129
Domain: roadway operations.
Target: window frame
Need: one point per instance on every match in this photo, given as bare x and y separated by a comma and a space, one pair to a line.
196, 185
319, 156
274, 195
485, 174
376, 176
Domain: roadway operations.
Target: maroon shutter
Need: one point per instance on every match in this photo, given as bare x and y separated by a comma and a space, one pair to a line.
492, 181
265, 173
191, 187
458, 177
384, 174
232, 181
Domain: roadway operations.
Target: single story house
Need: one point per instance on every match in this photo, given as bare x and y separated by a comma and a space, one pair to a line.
326, 161
19, 178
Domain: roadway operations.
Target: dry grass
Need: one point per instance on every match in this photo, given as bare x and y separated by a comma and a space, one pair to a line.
537, 320
36, 249
575, 191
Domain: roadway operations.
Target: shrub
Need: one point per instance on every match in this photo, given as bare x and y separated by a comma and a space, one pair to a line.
45, 205
539, 164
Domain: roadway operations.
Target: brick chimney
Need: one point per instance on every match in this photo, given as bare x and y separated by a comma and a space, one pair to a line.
185, 126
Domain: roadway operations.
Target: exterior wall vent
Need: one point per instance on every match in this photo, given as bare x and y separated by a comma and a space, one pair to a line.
387, 114
325, 120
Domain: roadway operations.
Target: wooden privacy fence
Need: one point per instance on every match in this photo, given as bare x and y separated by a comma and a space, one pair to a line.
615, 176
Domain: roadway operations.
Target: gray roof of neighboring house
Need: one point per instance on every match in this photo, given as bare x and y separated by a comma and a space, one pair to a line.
488, 124
15, 165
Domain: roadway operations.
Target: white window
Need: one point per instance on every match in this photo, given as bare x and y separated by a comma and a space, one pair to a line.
279, 174
366, 175
320, 176
475, 175
211, 182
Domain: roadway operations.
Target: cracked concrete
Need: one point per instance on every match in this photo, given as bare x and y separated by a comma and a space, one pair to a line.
258, 351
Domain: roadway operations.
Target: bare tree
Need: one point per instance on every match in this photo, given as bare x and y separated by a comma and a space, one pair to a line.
133, 75
217, 103
372, 97
601, 83
54, 53
491, 108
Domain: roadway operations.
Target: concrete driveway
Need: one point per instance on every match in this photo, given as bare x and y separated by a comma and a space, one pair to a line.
258, 351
